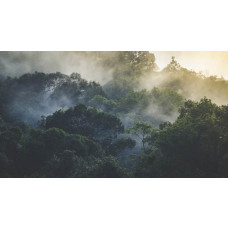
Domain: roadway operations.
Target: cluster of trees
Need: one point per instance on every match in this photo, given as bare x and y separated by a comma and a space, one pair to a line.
195, 145
54, 125
152, 106
30, 96
131, 67
59, 149
188, 83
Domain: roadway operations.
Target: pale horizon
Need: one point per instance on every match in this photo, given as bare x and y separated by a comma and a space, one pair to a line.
209, 62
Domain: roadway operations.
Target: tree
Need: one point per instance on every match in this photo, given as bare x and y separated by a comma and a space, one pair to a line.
57, 149
30, 96
141, 130
130, 68
85, 121
195, 145
108, 168
147, 166
103, 103
119, 145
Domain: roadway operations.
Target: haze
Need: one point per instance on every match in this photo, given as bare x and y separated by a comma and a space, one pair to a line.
18, 63
209, 62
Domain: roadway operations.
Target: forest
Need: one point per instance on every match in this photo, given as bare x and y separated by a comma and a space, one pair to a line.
134, 121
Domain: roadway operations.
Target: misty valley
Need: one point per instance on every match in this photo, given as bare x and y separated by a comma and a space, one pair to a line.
117, 115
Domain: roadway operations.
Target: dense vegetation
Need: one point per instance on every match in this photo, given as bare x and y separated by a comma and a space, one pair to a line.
141, 123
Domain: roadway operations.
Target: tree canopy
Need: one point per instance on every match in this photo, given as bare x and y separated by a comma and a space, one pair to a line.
142, 122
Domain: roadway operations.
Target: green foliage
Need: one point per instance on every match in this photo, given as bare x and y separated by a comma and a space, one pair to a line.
103, 103
141, 130
146, 165
132, 66
192, 85
81, 129
56, 148
165, 99
134, 63
121, 144
85, 121
164, 124
108, 168
195, 145
149, 106
32, 95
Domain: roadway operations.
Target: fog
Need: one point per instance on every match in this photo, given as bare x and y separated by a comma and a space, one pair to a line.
86, 63
209, 62
97, 65
102, 67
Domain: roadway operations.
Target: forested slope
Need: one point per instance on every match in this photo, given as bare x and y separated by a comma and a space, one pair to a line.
142, 122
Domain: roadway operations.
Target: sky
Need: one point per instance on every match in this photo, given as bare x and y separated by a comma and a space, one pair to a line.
209, 62
18, 63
